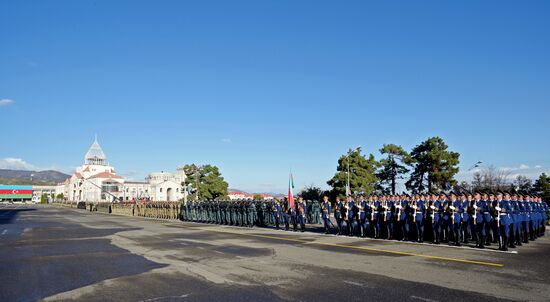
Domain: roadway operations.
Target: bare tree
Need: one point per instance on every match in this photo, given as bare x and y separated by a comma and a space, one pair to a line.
491, 178
522, 183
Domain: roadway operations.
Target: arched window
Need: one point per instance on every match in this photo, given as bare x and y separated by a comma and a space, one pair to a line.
160, 190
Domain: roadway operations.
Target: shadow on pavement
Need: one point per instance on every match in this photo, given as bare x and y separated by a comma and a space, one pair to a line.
8, 215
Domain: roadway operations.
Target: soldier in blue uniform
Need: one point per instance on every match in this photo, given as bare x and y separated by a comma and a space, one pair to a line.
436, 209
401, 216
374, 205
338, 207
534, 216
467, 211
502, 221
445, 217
418, 212
351, 221
277, 209
362, 216
545, 211
487, 218
326, 209
523, 218
457, 211
286, 214
388, 207
515, 222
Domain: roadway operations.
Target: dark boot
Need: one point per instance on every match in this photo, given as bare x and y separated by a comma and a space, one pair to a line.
481, 241
505, 245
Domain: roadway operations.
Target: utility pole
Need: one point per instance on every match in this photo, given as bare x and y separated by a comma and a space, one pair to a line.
348, 188
184, 184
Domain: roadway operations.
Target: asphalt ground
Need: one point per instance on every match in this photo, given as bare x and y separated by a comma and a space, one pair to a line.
58, 254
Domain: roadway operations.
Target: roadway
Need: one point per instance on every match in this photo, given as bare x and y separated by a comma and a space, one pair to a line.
58, 254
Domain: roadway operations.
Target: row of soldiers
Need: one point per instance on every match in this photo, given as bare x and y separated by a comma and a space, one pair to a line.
246, 213
485, 217
509, 219
164, 210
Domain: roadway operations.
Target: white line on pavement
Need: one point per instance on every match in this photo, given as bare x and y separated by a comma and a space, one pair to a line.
422, 299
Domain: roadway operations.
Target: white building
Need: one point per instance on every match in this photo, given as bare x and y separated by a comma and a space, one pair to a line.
96, 180
38, 191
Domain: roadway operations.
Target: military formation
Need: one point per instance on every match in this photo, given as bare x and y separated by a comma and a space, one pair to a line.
164, 210
249, 213
503, 218
508, 219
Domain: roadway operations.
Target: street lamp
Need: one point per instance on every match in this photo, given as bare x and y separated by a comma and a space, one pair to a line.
476, 165
348, 188
184, 184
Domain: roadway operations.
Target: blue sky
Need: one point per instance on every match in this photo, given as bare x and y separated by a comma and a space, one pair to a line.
259, 87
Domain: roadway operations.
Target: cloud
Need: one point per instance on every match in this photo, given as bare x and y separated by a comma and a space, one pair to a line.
15, 164
5, 102
511, 172
226, 140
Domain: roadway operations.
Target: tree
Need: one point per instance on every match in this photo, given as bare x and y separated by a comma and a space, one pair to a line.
257, 197
522, 183
312, 193
362, 175
393, 166
542, 187
463, 185
60, 196
434, 166
491, 178
477, 182
206, 182
43, 198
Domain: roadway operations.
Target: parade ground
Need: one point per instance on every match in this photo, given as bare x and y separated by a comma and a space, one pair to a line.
57, 254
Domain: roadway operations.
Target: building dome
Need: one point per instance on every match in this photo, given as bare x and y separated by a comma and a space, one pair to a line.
95, 155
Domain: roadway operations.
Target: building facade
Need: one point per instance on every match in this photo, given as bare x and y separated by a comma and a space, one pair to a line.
97, 181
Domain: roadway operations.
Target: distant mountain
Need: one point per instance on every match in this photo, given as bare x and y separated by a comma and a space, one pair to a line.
38, 177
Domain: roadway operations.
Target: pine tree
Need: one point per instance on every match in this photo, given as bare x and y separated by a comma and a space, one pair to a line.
434, 166
393, 166
362, 174
542, 187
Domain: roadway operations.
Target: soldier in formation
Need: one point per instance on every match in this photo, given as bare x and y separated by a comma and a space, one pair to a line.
508, 219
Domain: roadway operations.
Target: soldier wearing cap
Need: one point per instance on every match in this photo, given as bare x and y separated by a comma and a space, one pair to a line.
364, 226
338, 208
502, 208
376, 206
400, 215
445, 217
488, 217
515, 222
277, 209
389, 207
417, 219
457, 210
436, 209
326, 209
